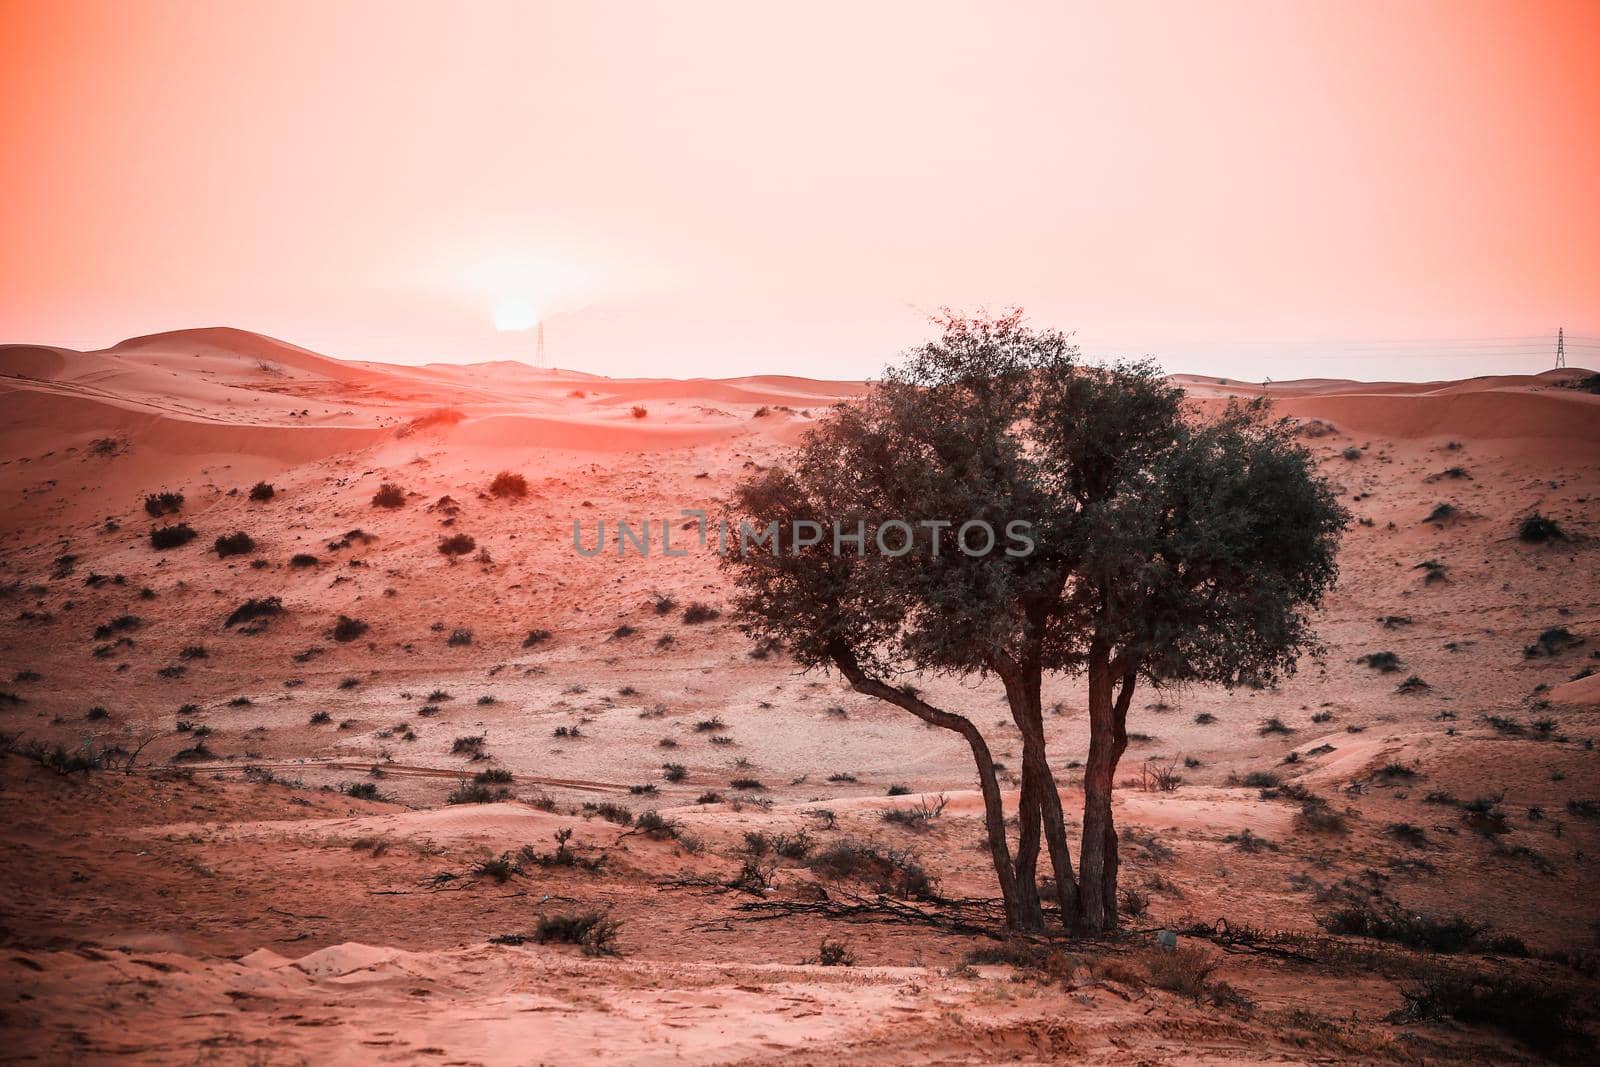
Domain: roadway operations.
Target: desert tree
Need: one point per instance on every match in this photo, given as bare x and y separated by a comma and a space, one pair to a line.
1161, 543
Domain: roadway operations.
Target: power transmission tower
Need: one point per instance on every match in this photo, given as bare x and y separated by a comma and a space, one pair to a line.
1561, 347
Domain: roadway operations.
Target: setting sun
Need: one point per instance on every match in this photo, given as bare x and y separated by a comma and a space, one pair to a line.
514, 313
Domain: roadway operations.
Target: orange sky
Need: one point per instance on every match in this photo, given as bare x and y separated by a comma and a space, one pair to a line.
1292, 189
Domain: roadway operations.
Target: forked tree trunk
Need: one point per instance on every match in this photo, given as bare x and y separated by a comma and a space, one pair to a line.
1040, 791
1019, 915
1108, 739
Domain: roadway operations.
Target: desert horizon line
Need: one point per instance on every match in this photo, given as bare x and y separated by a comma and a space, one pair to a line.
1508, 348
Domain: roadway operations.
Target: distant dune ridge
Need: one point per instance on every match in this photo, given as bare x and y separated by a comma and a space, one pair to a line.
363, 742
211, 378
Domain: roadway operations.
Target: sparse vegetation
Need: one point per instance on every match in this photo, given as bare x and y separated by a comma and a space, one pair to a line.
1454, 934
1552, 642
888, 871
457, 544
348, 629
235, 544
255, 610
262, 492
592, 931
697, 613
163, 503
509, 485
389, 495
1542, 1016
1385, 662
1537, 529
1413, 684
174, 536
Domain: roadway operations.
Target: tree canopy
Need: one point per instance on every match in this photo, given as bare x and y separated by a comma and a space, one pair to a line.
1158, 542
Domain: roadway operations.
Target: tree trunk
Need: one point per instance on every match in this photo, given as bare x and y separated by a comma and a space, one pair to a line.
1108, 738
1022, 693
1018, 915
1027, 862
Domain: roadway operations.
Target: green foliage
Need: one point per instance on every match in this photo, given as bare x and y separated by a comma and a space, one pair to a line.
1195, 548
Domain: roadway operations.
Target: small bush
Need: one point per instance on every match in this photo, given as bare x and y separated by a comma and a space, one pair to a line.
262, 491
697, 613
1413, 684
1552, 642
235, 544
1386, 662
1442, 513
749, 785
674, 772
253, 609
832, 952
362, 791
459, 637
1274, 725
389, 495
469, 745
1317, 816
591, 930
1351, 453
302, 559
918, 818
320, 717
610, 812
1537, 529
165, 537
457, 544
536, 637
163, 503
1410, 833
477, 790
656, 826
348, 629
508, 484
1541, 1016
1433, 571
638, 411
500, 867
1455, 934
1186, 970
892, 872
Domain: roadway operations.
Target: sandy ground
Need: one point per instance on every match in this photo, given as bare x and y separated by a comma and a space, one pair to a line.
225, 900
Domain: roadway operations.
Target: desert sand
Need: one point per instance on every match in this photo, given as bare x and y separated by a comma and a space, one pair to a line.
282, 878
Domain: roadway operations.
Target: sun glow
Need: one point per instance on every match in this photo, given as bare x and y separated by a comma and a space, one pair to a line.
514, 313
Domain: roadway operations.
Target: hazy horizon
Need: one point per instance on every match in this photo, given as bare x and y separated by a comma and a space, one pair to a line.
1247, 190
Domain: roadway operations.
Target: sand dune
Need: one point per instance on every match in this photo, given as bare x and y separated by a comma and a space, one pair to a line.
281, 878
